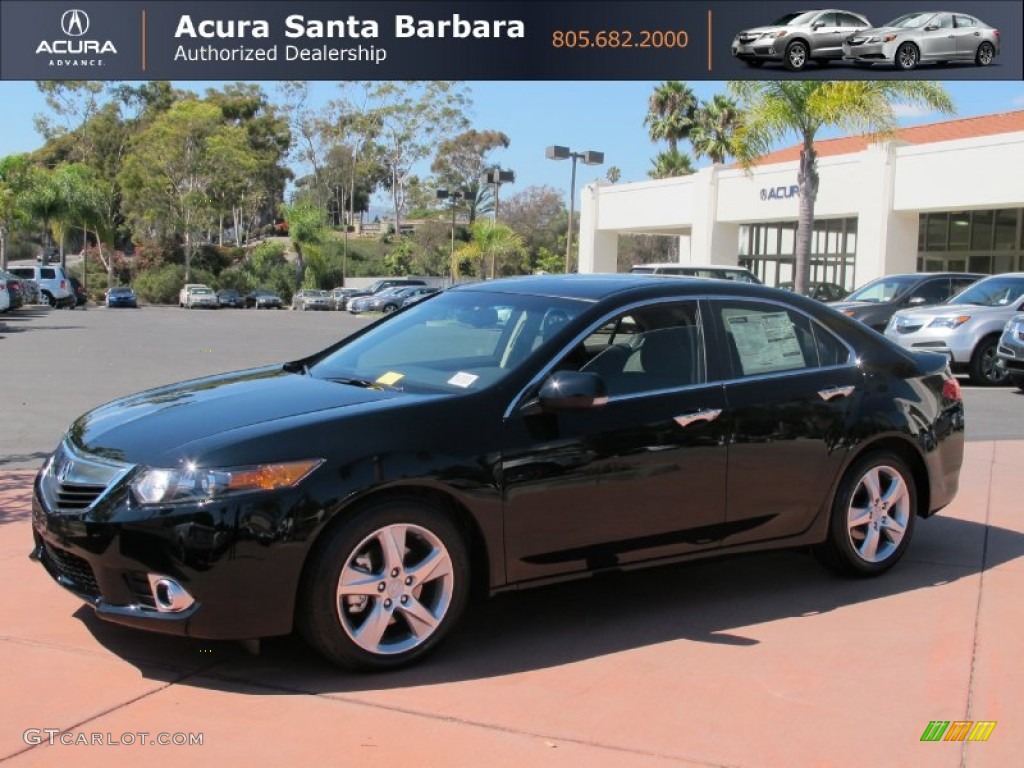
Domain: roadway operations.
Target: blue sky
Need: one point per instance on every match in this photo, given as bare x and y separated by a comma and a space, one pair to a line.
605, 116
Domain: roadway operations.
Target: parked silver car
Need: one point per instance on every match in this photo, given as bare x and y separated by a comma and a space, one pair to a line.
967, 328
309, 298
798, 38
1011, 350
931, 36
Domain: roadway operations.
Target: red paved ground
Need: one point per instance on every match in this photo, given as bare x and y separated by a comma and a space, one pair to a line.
761, 661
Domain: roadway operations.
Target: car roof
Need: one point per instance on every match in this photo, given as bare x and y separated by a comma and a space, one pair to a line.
596, 287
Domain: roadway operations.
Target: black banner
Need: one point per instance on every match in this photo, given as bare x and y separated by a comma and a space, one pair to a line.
423, 40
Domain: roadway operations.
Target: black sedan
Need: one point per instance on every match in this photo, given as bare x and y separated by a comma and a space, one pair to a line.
263, 299
501, 435
229, 297
122, 297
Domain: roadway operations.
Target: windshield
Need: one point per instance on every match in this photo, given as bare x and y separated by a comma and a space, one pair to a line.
992, 292
460, 341
911, 20
882, 289
792, 19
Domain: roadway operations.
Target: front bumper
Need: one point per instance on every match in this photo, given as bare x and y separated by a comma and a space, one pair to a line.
235, 560
870, 53
760, 50
951, 342
1011, 351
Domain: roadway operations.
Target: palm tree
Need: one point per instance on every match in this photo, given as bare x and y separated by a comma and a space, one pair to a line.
670, 113
492, 241
771, 111
712, 135
669, 164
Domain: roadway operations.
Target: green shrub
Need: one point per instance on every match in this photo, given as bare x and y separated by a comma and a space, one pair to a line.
162, 285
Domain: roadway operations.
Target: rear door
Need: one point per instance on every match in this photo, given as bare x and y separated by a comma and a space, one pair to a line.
792, 387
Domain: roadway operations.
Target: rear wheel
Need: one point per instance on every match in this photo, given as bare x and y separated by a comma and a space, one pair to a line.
49, 300
986, 52
386, 587
984, 368
872, 516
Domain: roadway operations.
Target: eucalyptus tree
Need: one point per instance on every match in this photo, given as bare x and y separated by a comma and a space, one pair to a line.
168, 175
773, 111
413, 117
460, 162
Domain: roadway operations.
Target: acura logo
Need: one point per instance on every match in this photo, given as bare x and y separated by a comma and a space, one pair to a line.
64, 470
74, 23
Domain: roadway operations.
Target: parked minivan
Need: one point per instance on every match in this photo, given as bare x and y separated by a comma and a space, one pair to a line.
739, 274
53, 283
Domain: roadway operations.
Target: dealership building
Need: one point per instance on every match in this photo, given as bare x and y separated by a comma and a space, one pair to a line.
943, 196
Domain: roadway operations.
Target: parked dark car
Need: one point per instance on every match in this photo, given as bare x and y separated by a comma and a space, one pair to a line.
15, 289
122, 296
261, 298
876, 302
229, 297
591, 423
78, 291
820, 291
338, 298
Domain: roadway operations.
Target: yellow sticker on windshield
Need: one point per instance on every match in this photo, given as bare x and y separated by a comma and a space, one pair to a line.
390, 378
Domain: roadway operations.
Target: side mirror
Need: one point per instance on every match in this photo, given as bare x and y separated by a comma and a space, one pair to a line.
818, 25
931, 28
572, 391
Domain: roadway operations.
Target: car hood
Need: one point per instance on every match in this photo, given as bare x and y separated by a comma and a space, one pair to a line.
880, 31
149, 427
974, 310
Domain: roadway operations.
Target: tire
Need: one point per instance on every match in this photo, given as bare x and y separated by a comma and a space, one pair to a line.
389, 308
985, 54
869, 530
907, 57
795, 58
982, 368
362, 624
49, 300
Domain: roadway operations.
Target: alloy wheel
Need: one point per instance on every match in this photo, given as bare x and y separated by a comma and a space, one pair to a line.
796, 56
985, 54
879, 513
395, 589
906, 56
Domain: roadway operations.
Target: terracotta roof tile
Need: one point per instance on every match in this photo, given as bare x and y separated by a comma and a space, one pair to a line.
950, 130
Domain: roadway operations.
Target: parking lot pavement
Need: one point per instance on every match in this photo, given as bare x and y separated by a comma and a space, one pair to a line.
764, 660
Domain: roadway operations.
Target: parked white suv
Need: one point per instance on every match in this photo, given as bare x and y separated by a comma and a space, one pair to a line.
966, 328
53, 283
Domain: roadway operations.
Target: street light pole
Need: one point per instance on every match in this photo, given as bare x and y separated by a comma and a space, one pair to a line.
589, 157
496, 177
454, 197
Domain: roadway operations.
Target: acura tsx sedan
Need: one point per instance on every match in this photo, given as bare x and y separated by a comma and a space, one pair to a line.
501, 435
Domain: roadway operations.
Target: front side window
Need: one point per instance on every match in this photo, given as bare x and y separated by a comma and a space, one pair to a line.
881, 290
648, 349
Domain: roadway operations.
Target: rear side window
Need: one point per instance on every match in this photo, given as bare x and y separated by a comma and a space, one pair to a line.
47, 273
22, 272
765, 339
933, 291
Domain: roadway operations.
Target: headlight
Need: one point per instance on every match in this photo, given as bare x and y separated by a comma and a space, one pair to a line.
949, 321
198, 484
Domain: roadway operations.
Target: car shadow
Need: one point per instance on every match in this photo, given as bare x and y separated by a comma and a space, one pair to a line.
714, 601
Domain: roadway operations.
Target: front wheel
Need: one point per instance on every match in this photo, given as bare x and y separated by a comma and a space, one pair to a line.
906, 57
386, 587
796, 56
984, 368
872, 516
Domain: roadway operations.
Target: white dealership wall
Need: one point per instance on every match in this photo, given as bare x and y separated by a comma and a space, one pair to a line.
886, 186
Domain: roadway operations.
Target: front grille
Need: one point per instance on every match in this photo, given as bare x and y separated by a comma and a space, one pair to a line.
856, 41
72, 570
748, 38
72, 496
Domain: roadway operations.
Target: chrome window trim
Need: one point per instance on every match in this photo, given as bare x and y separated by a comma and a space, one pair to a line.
592, 328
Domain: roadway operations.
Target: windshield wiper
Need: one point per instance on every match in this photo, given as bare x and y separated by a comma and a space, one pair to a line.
364, 383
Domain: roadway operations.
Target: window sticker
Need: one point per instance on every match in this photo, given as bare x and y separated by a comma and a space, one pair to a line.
390, 378
463, 379
765, 342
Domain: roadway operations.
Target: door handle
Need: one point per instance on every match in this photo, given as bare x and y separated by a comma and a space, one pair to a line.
834, 392
708, 414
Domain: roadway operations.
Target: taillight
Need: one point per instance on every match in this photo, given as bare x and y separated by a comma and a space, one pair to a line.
951, 389
63, 285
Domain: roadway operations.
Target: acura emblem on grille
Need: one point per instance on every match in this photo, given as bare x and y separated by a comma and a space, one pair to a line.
64, 470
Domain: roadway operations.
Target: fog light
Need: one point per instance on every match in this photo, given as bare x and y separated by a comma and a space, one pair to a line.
169, 595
